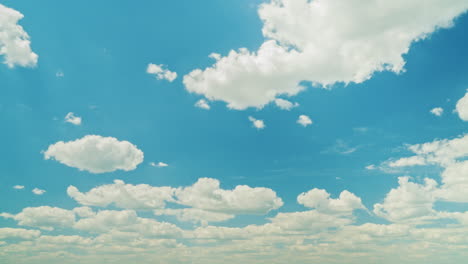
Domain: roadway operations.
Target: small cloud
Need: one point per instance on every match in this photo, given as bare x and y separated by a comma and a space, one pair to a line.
304, 120
18, 187
37, 191
72, 119
371, 167
259, 124
285, 104
161, 72
341, 147
159, 164
338, 178
203, 104
438, 111
59, 74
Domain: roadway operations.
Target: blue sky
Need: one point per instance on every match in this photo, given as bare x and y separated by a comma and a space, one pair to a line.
368, 94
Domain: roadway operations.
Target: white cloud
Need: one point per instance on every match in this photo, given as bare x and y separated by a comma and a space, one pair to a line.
72, 119
195, 215
6, 233
206, 194
320, 201
44, 217
15, 45
438, 111
203, 104
123, 195
439, 152
96, 154
161, 72
321, 41
371, 167
304, 120
159, 164
18, 187
409, 202
258, 124
455, 183
462, 108
407, 162
38, 191
285, 104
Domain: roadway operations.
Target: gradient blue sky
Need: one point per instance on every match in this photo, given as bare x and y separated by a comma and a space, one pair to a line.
103, 49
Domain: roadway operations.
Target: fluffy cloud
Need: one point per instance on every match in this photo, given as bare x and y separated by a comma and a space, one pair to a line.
285, 104
321, 41
6, 233
203, 104
258, 124
438, 111
439, 152
96, 154
195, 215
38, 191
304, 120
410, 202
15, 45
455, 183
126, 221
161, 72
44, 217
123, 195
320, 201
462, 108
72, 119
205, 195
18, 187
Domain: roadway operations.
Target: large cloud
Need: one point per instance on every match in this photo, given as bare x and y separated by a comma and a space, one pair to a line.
14, 41
206, 200
44, 217
462, 108
6, 233
324, 42
96, 154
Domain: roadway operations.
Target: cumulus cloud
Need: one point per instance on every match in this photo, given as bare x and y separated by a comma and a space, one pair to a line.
438, 111
258, 124
206, 194
285, 104
123, 195
44, 217
203, 104
72, 119
38, 191
321, 41
96, 154
439, 152
304, 121
195, 215
15, 45
409, 202
462, 108
18, 187
7, 233
161, 72
320, 201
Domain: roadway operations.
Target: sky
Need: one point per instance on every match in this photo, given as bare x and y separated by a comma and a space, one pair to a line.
255, 131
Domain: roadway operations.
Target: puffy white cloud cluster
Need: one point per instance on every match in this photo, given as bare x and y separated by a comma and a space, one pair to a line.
462, 108
258, 124
44, 217
96, 154
161, 72
72, 119
6, 233
438, 111
304, 120
208, 202
15, 45
321, 41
